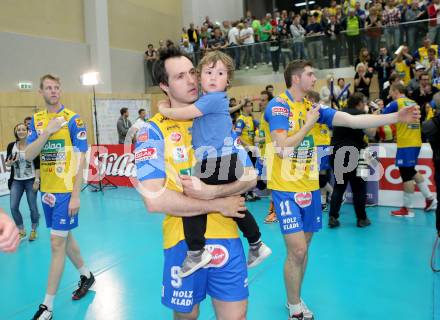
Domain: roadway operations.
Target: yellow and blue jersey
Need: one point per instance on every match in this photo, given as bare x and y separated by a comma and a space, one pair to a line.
404, 71
245, 129
299, 171
163, 151
408, 135
58, 165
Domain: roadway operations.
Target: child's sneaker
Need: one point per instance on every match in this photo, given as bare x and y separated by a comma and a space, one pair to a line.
258, 254
22, 234
194, 260
33, 236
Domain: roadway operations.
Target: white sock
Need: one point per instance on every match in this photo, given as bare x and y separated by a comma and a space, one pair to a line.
423, 187
294, 308
48, 301
407, 199
84, 271
323, 199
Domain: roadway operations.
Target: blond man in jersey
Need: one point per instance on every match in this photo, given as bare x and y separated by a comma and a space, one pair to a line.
293, 172
59, 137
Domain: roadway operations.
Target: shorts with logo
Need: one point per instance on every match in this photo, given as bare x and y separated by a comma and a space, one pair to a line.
56, 211
407, 157
324, 157
225, 278
298, 211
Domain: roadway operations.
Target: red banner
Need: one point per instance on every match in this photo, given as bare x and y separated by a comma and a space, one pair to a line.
116, 162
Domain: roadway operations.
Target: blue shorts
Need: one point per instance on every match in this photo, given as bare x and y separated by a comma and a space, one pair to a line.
324, 157
225, 278
298, 211
56, 211
407, 157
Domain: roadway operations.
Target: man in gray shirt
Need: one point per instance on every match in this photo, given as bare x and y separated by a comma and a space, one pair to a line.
123, 125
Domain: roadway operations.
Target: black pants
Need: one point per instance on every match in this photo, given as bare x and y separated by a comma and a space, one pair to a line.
359, 190
437, 186
224, 170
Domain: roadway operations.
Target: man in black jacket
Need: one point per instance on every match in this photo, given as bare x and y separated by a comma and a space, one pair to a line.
332, 31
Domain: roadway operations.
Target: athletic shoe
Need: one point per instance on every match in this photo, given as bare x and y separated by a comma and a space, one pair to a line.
84, 284
299, 316
333, 222
430, 204
307, 314
403, 212
43, 313
361, 223
22, 234
271, 218
33, 235
254, 195
258, 254
249, 197
194, 260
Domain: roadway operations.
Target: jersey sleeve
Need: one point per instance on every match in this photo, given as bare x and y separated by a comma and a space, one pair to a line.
149, 153
391, 107
326, 115
239, 126
277, 114
78, 134
209, 103
32, 134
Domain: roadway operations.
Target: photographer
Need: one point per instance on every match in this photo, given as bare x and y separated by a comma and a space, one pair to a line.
431, 129
347, 137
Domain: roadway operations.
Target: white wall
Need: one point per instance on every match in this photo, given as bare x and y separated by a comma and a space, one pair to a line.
217, 10
24, 57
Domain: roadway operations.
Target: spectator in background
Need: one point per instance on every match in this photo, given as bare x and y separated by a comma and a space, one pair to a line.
275, 49
123, 125
414, 84
373, 27
142, 118
269, 89
434, 21
359, 12
391, 19
246, 36
234, 42
362, 80
150, 57
25, 176
385, 96
27, 121
423, 95
298, 33
411, 15
421, 54
193, 36
162, 45
387, 133
286, 53
266, 31
332, 31
330, 92
365, 58
344, 94
352, 24
433, 64
383, 67
187, 48
218, 42
314, 41
402, 64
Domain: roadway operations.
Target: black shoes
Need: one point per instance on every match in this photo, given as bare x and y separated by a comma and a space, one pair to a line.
362, 223
83, 286
333, 222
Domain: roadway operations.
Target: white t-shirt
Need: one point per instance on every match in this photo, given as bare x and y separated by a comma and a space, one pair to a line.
139, 123
249, 31
23, 169
233, 35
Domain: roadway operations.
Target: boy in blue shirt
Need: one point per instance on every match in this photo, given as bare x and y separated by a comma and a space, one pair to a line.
219, 159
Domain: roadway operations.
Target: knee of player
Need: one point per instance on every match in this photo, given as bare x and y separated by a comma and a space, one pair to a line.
57, 243
193, 315
297, 254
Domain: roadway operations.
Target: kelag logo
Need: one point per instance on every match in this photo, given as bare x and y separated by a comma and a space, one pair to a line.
54, 146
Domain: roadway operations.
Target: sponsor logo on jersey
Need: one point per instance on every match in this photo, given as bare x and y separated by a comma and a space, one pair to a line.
175, 137
79, 123
303, 199
280, 111
49, 199
220, 256
53, 150
180, 154
82, 135
145, 154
